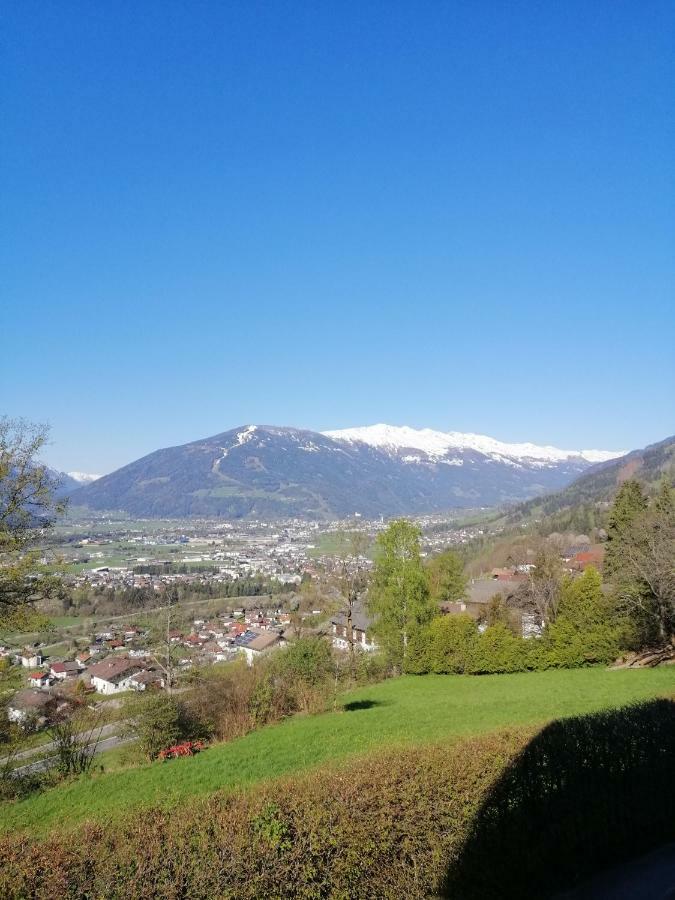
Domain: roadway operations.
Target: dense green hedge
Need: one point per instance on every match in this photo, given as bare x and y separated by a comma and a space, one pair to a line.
586, 791
515, 814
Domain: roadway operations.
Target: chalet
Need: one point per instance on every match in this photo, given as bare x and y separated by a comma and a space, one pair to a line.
360, 630
38, 679
114, 675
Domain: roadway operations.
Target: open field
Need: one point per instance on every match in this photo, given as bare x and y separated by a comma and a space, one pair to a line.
403, 711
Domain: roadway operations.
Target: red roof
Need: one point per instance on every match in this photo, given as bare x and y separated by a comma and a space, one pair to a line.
588, 556
38, 675
58, 667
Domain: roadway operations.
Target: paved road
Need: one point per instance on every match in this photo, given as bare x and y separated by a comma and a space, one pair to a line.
40, 765
106, 731
651, 877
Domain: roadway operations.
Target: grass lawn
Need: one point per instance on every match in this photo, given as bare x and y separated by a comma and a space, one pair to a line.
404, 710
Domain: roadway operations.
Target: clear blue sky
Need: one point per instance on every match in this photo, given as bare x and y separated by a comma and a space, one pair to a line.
458, 215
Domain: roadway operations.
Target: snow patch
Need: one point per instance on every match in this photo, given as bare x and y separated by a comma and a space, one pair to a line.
83, 477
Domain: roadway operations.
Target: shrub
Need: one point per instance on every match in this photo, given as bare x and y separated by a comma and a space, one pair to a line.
586, 791
385, 824
498, 649
452, 641
585, 631
156, 722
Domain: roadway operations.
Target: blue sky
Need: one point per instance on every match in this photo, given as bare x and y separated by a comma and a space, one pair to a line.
457, 215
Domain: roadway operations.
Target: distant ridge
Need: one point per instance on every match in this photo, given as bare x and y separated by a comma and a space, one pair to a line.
599, 483
268, 472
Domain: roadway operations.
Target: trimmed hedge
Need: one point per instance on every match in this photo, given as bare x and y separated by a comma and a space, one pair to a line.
512, 814
386, 824
585, 792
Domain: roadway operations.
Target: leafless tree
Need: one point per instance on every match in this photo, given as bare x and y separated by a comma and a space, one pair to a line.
544, 586
646, 576
350, 579
27, 507
76, 743
164, 658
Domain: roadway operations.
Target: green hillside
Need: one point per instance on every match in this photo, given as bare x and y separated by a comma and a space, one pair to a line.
579, 506
404, 711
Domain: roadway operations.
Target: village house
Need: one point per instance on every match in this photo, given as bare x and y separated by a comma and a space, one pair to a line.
252, 644
27, 704
115, 674
63, 670
38, 679
147, 679
31, 659
360, 631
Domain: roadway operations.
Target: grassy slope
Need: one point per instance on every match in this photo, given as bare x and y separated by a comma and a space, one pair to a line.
404, 710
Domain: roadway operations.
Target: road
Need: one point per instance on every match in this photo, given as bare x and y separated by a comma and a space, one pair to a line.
41, 765
106, 730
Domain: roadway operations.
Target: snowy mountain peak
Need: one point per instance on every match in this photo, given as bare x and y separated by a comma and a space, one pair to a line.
83, 477
438, 444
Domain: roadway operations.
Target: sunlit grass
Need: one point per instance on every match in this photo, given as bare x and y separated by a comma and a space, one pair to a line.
400, 711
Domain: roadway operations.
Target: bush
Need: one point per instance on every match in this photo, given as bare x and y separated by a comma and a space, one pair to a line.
585, 792
452, 641
385, 824
308, 660
156, 722
229, 700
498, 649
586, 631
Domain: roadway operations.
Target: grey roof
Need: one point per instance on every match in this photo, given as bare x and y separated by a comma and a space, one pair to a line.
360, 618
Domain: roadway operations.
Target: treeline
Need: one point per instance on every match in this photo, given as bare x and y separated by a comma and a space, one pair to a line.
110, 601
585, 632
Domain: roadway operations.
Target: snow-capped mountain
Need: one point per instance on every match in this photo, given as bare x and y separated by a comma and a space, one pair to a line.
82, 477
267, 471
438, 446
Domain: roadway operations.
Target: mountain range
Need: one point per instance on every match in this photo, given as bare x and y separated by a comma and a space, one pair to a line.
267, 471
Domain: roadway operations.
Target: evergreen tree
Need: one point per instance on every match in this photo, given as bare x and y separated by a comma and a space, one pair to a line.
664, 502
584, 633
399, 598
629, 502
